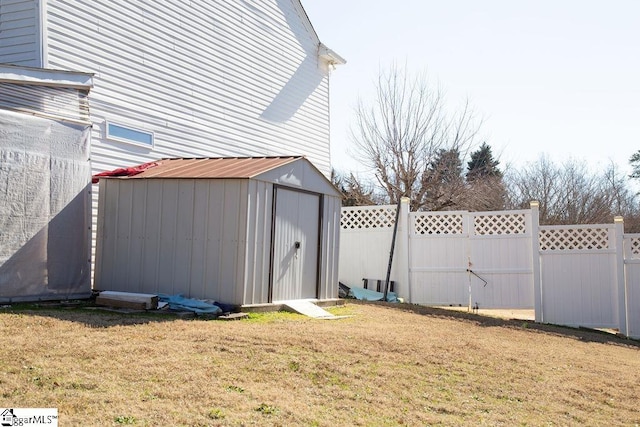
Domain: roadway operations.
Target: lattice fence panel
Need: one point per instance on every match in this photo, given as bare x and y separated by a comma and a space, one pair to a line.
381, 217
565, 239
500, 224
635, 247
438, 224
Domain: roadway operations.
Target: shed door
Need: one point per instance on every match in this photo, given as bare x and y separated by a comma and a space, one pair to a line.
295, 245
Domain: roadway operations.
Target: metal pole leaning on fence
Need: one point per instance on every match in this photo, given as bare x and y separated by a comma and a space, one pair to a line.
393, 246
623, 307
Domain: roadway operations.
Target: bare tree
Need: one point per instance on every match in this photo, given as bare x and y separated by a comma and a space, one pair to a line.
485, 193
572, 194
624, 200
355, 192
400, 134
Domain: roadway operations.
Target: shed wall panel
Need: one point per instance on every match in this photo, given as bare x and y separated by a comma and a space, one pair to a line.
233, 231
135, 239
183, 261
123, 217
330, 247
259, 216
214, 244
200, 264
152, 227
172, 236
106, 247
168, 237
217, 235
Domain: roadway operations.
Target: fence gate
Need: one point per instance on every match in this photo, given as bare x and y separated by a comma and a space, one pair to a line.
471, 258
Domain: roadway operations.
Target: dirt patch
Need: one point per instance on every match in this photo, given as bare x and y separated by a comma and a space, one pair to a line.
514, 314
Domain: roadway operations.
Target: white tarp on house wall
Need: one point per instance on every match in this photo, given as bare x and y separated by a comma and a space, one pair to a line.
44, 208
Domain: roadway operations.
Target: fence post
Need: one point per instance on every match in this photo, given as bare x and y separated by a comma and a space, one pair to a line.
402, 250
535, 254
620, 279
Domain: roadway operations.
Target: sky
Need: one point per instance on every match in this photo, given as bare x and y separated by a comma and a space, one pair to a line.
553, 77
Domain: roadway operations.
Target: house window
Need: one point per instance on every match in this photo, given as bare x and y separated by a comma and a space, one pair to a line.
130, 135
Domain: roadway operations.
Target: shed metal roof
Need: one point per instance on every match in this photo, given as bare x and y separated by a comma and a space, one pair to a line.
214, 167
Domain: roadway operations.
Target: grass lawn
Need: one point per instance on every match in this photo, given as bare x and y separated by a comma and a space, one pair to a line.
387, 365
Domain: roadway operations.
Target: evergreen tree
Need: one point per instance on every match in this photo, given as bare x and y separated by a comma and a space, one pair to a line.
486, 189
635, 164
482, 164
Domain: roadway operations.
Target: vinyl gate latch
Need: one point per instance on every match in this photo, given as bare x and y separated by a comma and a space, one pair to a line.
476, 274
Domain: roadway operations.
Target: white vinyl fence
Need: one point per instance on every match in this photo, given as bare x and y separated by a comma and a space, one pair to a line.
631, 248
579, 275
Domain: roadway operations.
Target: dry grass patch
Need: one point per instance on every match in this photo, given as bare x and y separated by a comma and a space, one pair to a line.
386, 365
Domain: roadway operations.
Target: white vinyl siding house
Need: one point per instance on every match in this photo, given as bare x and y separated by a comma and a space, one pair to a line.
20, 33
207, 78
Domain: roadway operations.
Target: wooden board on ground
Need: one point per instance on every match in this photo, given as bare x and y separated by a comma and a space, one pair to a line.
308, 309
108, 302
128, 300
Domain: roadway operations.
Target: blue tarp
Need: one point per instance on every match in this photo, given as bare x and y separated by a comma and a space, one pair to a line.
369, 295
178, 302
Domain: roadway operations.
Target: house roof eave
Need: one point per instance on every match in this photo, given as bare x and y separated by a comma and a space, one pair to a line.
45, 77
324, 53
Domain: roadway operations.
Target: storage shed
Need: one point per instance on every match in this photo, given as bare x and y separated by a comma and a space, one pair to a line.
241, 231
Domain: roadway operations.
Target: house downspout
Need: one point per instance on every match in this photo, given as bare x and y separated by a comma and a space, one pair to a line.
42, 34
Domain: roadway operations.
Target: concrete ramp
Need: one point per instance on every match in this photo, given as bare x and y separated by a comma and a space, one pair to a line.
309, 309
